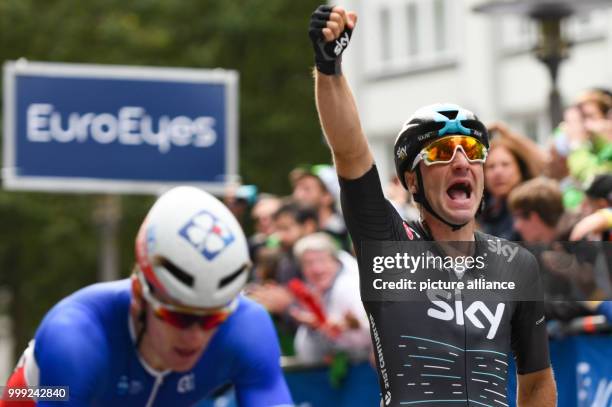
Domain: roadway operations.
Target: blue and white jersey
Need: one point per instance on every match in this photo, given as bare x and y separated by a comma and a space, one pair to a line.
87, 342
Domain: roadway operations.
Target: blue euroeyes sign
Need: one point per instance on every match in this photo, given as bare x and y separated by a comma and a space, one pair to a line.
118, 129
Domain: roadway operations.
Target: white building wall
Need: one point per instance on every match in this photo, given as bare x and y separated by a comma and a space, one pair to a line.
487, 67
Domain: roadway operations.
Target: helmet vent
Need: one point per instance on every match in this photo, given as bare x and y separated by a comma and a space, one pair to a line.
228, 279
450, 114
177, 272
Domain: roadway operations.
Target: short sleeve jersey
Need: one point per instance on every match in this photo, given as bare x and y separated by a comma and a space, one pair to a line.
86, 342
429, 353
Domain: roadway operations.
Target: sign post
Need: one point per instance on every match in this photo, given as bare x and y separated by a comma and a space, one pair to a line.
107, 216
117, 129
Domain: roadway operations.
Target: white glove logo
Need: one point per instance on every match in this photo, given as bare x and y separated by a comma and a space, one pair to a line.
341, 43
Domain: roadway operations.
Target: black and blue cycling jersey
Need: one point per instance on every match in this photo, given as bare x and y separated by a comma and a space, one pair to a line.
448, 348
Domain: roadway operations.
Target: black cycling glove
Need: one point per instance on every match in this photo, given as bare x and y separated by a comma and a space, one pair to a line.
328, 55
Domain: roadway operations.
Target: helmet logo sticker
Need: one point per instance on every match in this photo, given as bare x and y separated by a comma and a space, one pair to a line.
207, 234
402, 153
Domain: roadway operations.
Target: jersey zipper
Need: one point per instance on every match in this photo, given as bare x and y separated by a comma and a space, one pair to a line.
158, 381
158, 375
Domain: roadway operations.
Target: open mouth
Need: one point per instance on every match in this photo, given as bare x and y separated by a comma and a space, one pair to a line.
460, 190
186, 353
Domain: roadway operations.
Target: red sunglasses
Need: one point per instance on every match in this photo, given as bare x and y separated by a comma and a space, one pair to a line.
181, 317
182, 320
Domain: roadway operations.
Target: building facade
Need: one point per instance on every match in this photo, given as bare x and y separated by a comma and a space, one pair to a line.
408, 53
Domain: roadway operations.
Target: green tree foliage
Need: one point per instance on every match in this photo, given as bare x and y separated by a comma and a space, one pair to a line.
49, 242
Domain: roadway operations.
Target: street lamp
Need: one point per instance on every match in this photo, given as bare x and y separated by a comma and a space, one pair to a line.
551, 48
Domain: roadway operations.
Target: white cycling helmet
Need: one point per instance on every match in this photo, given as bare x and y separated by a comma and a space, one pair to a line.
191, 248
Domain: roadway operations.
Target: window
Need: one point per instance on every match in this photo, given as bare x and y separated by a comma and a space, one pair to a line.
534, 125
413, 29
385, 34
409, 35
520, 34
587, 26
440, 25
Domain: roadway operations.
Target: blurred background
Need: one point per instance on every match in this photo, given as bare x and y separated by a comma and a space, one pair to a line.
49, 242
538, 72
409, 53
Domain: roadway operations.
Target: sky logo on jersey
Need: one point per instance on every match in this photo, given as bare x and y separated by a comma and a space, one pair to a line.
207, 234
444, 311
506, 250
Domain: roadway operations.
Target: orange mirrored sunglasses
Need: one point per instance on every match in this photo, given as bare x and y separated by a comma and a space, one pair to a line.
442, 151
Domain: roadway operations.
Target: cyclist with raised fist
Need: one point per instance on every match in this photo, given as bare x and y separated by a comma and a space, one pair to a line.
430, 353
173, 333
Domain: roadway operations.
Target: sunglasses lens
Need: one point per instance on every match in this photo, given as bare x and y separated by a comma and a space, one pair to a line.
443, 150
213, 321
440, 151
473, 149
183, 320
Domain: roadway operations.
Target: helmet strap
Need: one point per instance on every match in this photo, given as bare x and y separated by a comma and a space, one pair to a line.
421, 198
142, 314
482, 205
142, 320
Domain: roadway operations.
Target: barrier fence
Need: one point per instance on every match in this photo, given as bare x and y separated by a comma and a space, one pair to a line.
582, 366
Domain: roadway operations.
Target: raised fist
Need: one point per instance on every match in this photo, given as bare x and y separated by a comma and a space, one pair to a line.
330, 31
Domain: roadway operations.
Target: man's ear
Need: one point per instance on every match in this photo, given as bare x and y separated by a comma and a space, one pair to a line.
411, 181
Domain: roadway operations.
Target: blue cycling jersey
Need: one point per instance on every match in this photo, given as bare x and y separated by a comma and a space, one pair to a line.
87, 342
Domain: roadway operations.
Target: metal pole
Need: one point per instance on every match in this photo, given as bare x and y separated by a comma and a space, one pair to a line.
555, 107
552, 50
107, 216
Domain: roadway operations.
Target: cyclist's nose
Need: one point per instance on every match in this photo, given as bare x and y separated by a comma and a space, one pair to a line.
460, 159
193, 334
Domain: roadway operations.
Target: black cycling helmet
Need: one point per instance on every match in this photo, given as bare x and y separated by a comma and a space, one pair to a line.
428, 123
425, 125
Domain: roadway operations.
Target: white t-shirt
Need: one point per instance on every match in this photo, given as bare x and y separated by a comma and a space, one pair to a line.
312, 346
